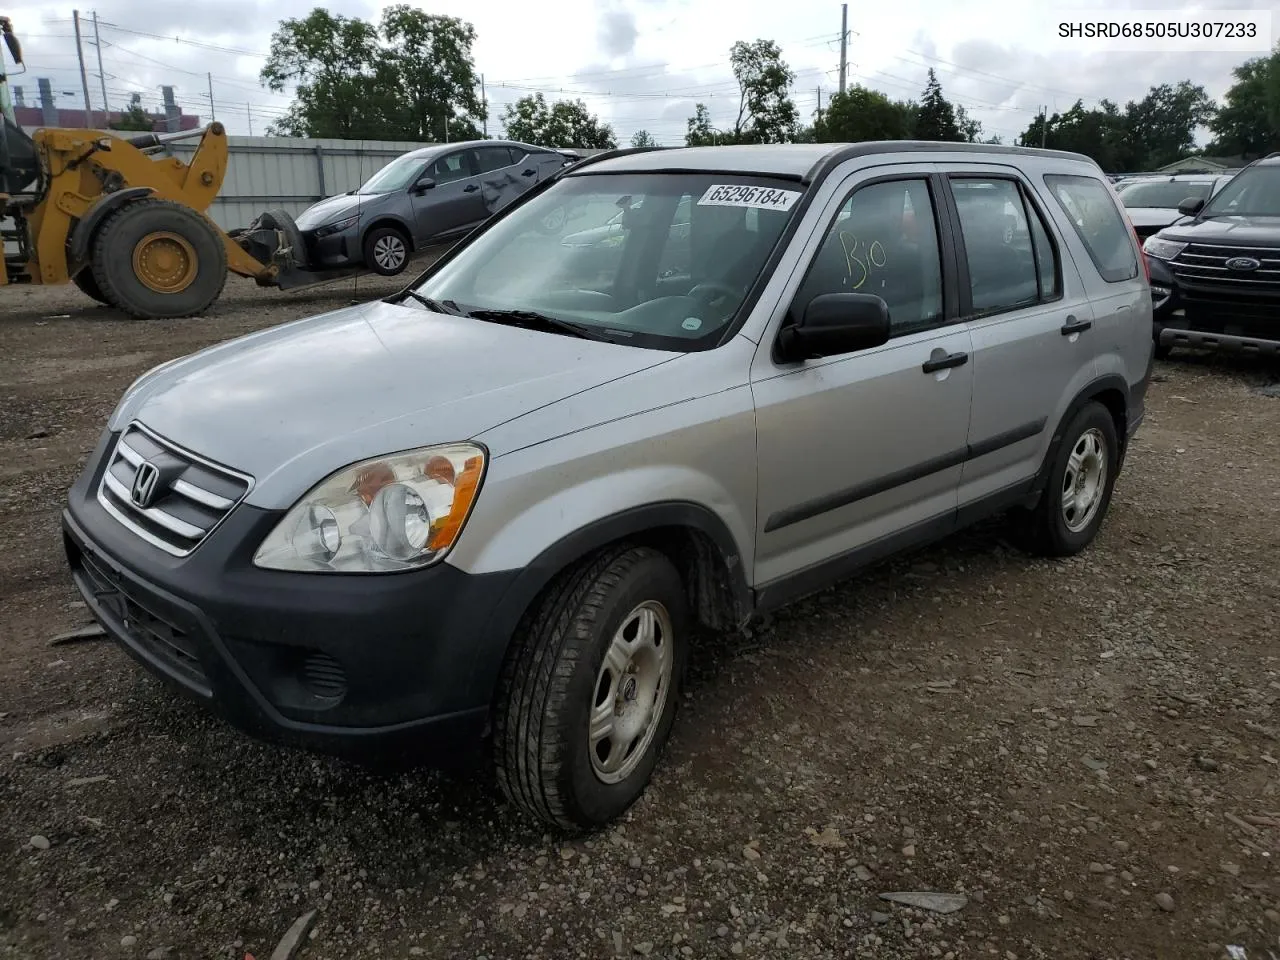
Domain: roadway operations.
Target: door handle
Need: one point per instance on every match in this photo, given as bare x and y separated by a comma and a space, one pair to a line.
470, 188
529, 173
1075, 326
942, 363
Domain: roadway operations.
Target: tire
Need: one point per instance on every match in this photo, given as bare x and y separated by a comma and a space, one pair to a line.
188, 257
381, 245
88, 286
1163, 350
1052, 528
547, 761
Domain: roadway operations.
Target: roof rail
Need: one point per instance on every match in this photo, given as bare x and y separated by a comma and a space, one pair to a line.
1272, 156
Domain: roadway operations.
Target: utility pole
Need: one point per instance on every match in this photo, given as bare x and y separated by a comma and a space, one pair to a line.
212, 113
84, 77
844, 43
484, 100
819, 104
248, 112
102, 77
1044, 126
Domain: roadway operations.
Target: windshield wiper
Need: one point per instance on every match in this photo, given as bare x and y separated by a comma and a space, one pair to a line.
532, 320
439, 306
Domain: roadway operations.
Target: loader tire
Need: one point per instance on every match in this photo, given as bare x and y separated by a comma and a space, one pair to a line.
88, 286
156, 259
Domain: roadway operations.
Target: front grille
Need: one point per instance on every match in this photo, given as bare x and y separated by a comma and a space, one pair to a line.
1202, 268
161, 638
191, 497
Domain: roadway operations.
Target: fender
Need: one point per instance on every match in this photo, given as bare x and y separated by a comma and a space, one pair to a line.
78, 243
390, 219
1090, 390
534, 578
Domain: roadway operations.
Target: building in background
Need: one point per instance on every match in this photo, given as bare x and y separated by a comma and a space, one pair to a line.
45, 112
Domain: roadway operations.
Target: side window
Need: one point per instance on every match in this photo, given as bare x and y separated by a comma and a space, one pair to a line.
883, 240
1011, 261
516, 154
1091, 208
452, 166
493, 158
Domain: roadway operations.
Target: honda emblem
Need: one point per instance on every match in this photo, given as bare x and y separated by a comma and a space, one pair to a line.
145, 485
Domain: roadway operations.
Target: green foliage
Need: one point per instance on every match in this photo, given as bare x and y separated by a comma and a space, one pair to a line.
699, 132
566, 123
1248, 125
766, 113
861, 114
401, 80
936, 117
642, 138
135, 118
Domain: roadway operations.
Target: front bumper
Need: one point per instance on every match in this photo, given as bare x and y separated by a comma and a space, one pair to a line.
355, 665
1212, 318
335, 251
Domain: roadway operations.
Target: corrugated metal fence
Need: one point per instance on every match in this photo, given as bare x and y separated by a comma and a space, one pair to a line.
291, 174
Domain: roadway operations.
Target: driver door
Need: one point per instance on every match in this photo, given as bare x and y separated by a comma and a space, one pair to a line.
451, 204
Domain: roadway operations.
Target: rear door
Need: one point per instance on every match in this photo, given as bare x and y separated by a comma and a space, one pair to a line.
1029, 315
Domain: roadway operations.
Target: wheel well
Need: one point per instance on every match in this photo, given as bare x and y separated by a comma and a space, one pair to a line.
703, 570
1114, 401
395, 225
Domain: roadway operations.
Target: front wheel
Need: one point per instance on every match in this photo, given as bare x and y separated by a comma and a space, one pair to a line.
1078, 493
590, 687
386, 251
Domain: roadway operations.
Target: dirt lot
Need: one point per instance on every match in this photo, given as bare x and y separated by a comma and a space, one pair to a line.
1086, 750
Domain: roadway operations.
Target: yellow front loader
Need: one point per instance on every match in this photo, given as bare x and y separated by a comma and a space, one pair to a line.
121, 221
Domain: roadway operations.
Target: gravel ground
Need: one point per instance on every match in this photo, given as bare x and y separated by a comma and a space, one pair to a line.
1086, 751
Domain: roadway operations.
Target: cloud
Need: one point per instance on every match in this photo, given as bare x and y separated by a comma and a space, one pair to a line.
617, 31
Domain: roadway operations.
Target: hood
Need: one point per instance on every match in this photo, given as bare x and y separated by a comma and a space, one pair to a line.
339, 208
1229, 231
292, 404
1152, 216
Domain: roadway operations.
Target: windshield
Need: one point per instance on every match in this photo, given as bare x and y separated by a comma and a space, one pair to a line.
396, 175
661, 260
1254, 192
1163, 193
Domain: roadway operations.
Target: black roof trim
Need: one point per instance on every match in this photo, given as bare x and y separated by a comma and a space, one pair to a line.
873, 147
698, 171
607, 155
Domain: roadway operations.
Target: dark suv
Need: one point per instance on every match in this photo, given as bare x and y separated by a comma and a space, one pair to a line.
1215, 273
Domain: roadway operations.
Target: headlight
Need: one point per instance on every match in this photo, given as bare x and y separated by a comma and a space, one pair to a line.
379, 516
1162, 249
331, 228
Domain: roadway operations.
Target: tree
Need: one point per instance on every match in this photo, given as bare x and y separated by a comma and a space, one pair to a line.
1248, 125
936, 117
766, 113
699, 132
412, 77
567, 123
429, 57
969, 130
862, 114
135, 118
642, 138
1101, 133
1161, 127
342, 85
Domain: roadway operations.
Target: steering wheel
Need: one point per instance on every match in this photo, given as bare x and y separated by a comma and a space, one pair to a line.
711, 291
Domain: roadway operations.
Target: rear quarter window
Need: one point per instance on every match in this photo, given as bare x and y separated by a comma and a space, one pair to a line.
1091, 207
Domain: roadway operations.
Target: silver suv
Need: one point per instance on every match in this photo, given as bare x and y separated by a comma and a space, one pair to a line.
496, 507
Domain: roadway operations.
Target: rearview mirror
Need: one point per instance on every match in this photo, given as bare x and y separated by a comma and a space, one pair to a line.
835, 323
1191, 206
423, 184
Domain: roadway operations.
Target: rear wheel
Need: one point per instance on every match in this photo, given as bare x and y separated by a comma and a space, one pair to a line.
386, 251
1078, 493
589, 689
155, 259
88, 286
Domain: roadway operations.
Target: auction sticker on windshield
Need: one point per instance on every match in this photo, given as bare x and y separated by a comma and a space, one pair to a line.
741, 195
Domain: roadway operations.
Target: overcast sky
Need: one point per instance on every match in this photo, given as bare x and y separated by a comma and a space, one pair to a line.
637, 63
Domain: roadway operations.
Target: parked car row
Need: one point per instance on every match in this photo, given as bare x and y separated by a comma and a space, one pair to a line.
1215, 269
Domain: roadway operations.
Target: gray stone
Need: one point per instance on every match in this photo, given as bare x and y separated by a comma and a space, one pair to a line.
925, 900
128, 941
1165, 902
39, 842
644, 949
878, 917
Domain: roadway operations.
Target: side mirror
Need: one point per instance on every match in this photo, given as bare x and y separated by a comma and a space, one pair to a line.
1190, 206
11, 40
423, 184
835, 323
